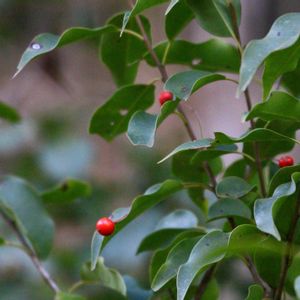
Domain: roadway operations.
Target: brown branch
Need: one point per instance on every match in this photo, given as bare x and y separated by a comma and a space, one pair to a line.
288, 255
31, 253
205, 281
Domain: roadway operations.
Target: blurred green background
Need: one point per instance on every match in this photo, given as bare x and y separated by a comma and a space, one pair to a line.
56, 96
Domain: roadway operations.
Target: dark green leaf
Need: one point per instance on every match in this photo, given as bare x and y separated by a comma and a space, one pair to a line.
233, 187
180, 16
177, 256
2, 241
283, 175
122, 54
237, 168
135, 291
183, 84
290, 81
142, 126
266, 209
228, 208
160, 256
213, 152
283, 34
102, 275
215, 16
278, 63
210, 249
23, 204
280, 106
69, 190
159, 239
212, 55
113, 117
255, 135
255, 292
8, 113
292, 274
67, 296
46, 42
198, 144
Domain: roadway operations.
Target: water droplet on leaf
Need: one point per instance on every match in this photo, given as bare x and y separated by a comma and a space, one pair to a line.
35, 46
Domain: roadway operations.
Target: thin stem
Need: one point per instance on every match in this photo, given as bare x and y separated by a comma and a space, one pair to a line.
288, 256
249, 104
171, 294
205, 281
166, 53
43, 272
190, 185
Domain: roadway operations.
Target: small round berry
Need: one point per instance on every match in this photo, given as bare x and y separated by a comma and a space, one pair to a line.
165, 96
281, 163
105, 226
289, 161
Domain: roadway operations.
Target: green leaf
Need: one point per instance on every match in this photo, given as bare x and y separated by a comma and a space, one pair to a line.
113, 117
280, 106
140, 204
266, 209
283, 34
290, 81
210, 249
212, 55
46, 42
96, 245
177, 256
278, 63
237, 168
283, 175
215, 16
160, 256
177, 18
24, 206
139, 7
255, 292
183, 84
213, 152
68, 191
268, 258
159, 239
67, 296
122, 54
255, 135
171, 5
233, 187
142, 125
292, 274
2, 241
107, 277
228, 208
297, 287
198, 144
8, 113
180, 218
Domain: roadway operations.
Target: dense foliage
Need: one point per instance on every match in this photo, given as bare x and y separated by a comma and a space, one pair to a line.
255, 200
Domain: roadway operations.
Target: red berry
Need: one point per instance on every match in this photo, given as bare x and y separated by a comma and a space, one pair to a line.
285, 161
105, 226
289, 160
165, 96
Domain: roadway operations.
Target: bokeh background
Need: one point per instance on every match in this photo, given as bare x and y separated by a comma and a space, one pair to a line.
56, 96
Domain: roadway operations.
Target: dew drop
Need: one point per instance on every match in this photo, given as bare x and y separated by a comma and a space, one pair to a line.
35, 46
112, 123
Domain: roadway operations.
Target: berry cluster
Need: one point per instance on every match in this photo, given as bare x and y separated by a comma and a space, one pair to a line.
285, 161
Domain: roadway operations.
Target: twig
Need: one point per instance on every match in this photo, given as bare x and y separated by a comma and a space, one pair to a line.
288, 255
44, 273
205, 281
